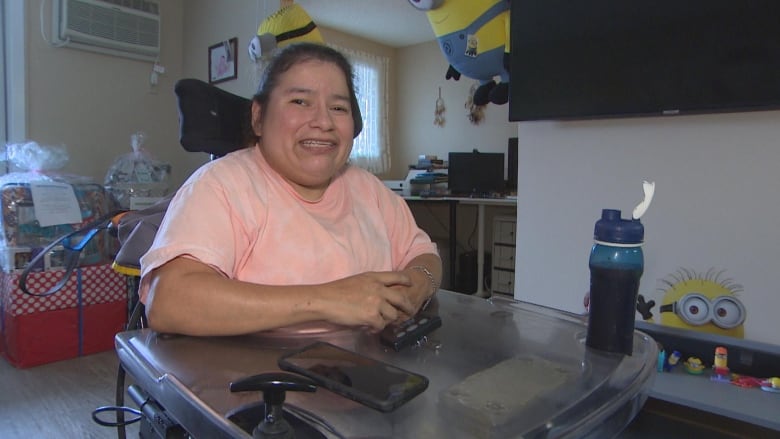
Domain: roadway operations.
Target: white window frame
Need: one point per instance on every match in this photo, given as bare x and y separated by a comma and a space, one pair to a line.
4, 108
371, 150
13, 75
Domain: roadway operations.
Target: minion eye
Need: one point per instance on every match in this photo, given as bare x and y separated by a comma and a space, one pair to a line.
694, 309
425, 5
728, 312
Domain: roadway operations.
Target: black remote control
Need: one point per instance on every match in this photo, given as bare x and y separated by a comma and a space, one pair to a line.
409, 332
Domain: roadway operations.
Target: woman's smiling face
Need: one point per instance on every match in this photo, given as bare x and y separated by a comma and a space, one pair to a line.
306, 129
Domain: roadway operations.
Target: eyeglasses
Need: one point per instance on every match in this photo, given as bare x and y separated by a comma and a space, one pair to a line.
696, 309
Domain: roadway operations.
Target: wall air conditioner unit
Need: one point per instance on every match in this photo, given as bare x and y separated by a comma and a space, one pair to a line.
128, 28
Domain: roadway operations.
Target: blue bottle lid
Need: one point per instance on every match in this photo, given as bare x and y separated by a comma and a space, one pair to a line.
612, 228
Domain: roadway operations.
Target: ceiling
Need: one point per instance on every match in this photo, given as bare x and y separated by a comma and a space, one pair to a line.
394, 23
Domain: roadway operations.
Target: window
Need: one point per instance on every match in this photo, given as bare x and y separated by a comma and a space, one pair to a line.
370, 150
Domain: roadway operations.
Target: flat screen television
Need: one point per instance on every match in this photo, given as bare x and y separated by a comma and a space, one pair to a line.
577, 59
475, 174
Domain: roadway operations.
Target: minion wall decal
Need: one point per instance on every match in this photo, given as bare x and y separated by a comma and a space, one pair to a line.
474, 37
702, 302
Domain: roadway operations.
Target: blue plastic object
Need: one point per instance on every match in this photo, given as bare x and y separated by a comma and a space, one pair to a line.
616, 265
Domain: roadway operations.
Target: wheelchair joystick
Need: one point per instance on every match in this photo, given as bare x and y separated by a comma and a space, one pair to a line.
273, 385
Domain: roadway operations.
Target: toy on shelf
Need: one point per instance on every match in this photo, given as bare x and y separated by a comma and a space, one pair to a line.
771, 385
667, 362
745, 381
720, 369
672, 361
661, 360
694, 366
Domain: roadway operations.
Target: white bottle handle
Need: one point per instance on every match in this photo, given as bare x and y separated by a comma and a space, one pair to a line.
649, 189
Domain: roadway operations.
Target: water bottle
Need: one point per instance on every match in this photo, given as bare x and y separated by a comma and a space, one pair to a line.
616, 265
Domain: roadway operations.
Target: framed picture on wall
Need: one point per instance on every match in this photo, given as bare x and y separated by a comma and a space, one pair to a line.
223, 61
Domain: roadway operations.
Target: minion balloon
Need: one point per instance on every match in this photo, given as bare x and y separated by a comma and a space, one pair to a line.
290, 24
474, 37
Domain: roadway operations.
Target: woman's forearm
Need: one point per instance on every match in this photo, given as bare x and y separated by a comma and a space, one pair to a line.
189, 297
203, 302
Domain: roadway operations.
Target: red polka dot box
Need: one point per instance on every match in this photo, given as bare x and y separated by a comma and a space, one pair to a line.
79, 319
99, 284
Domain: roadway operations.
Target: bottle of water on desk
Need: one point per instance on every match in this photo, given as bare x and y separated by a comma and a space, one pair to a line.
616, 265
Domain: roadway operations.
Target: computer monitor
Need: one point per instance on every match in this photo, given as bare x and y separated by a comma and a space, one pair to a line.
476, 174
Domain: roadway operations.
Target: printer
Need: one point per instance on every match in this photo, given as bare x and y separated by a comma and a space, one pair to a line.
420, 182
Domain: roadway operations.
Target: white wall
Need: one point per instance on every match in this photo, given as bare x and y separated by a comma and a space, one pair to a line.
717, 204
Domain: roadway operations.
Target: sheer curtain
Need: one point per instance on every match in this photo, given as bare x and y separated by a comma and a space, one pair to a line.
371, 148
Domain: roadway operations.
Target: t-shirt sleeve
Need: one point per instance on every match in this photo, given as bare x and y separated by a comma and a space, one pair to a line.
406, 238
199, 224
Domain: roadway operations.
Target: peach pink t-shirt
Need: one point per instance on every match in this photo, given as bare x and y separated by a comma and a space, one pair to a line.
239, 216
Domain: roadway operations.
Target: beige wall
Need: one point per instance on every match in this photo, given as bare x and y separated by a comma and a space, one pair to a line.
92, 103
205, 25
421, 71
416, 73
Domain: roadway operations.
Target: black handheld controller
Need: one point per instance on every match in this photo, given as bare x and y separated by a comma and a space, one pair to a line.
409, 332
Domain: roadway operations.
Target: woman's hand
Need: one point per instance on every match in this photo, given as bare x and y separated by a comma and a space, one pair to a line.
371, 299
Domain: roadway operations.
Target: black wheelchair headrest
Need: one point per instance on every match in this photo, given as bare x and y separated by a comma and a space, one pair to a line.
211, 120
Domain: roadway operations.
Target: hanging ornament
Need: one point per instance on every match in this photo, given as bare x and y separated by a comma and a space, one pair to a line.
476, 113
438, 119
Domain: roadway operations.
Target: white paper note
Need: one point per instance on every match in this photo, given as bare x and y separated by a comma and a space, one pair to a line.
54, 203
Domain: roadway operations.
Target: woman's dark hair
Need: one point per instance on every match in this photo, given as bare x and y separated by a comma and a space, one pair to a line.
297, 53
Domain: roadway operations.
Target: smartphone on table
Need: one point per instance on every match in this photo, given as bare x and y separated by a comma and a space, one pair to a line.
371, 382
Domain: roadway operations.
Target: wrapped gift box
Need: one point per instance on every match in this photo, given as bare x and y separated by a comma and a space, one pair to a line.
80, 319
21, 234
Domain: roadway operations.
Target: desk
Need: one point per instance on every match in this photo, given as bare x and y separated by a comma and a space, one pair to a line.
453, 205
491, 368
